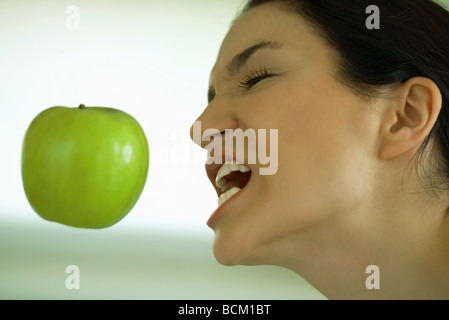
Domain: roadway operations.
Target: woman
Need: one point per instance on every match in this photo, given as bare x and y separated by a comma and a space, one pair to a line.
358, 206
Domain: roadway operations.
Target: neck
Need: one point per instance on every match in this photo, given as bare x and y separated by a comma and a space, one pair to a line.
407, 240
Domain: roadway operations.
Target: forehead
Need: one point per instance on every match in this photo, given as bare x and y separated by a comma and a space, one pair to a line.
266, 22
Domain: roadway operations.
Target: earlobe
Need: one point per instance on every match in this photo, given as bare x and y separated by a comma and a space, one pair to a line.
409, 119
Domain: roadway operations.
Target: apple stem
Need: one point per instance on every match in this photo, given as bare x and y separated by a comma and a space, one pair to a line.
82, 106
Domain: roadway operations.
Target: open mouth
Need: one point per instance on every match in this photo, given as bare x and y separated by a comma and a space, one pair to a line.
231, 178
228, 179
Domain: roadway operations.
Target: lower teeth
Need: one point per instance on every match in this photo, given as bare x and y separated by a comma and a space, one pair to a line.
227, 195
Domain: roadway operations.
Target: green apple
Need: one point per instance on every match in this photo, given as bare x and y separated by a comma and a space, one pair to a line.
84, 167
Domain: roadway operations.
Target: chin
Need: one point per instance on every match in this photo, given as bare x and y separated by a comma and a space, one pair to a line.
231, 251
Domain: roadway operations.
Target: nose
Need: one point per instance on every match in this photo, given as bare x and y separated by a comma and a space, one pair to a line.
214, 120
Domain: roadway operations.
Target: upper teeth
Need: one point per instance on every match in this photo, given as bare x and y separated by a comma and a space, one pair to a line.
228, 167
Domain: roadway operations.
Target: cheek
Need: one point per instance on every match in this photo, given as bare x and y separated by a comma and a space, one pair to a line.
322, 155
321, 165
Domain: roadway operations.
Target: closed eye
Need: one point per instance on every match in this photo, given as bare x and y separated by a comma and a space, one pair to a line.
255, 77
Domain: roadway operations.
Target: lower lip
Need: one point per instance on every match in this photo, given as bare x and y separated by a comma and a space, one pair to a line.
218, 212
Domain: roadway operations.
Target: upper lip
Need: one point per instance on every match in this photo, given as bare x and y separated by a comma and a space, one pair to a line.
212, 169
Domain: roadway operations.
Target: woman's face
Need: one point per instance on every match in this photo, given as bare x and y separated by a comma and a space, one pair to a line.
325, 136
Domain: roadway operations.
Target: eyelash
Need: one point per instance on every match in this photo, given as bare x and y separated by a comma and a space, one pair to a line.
254, 77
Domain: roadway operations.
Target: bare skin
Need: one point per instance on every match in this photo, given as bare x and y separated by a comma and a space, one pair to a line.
344, 196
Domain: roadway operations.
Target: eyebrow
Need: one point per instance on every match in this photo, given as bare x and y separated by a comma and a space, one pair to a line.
240, 59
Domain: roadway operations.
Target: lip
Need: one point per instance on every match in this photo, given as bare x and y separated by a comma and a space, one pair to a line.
217, 213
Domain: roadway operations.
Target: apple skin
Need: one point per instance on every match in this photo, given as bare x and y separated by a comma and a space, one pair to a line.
84, 167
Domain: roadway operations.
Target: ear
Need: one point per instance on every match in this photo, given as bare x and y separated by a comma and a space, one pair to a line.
408, 120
